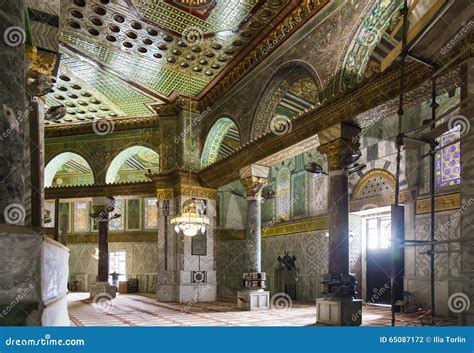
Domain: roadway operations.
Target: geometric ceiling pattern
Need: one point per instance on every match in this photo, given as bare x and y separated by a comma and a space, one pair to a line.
129, 54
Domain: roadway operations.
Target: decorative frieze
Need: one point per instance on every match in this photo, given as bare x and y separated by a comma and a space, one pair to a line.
442, 203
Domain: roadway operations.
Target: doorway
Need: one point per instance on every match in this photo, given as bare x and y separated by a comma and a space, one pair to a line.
376, 250
378, 258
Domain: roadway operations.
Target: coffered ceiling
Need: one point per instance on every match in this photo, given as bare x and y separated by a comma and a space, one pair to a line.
122, 57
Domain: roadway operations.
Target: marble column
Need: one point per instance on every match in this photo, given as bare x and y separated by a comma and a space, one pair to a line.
466, 120
339, 306
102, 207
253, 296
13, 126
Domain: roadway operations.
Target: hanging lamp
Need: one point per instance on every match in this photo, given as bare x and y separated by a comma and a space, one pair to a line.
191, 220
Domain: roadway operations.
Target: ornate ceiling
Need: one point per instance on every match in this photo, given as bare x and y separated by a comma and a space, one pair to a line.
122, 57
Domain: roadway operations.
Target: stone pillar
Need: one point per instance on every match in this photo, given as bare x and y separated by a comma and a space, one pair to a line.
339, 306
13, 128
253, 296
186, 266
466, 121
102, 207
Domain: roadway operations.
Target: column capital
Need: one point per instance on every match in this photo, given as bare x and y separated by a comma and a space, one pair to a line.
334, 151
254, 177
254, 185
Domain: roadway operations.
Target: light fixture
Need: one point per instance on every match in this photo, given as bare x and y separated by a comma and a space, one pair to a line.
350, 156
268, 194
313, 167
355, 168
191, 220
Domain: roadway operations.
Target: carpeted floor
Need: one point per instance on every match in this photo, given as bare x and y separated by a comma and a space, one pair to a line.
142, 310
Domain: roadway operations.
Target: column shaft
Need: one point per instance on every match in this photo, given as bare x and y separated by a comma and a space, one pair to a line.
338, 260
253, 235
103, 269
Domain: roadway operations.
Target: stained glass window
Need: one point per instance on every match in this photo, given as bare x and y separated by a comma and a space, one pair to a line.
81, 216
151, 213
283, 194
117, 223
448, 160
133, 214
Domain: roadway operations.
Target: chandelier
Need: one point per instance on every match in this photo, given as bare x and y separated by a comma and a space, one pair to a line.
191, 220
194, 3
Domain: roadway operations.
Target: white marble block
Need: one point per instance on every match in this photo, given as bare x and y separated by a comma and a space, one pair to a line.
103, 288
253, 299
339, 312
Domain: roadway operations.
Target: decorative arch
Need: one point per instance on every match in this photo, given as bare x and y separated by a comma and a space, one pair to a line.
368, 35
293, 88
222, 140
375, 183
132, 164
68, 169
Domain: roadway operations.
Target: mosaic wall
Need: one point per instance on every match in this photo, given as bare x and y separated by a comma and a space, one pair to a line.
310, 250
141, 263
327, 54
298, 194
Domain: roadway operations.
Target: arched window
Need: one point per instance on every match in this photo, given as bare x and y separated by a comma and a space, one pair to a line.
132, 164
68, 169
283, 194
448, 160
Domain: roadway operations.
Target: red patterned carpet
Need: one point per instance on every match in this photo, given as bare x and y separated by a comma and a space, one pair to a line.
141, 310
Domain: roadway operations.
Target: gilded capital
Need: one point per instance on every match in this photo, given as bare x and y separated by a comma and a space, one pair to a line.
335, 149
254, 185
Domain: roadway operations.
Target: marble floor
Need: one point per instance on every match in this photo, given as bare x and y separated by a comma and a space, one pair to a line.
143, 310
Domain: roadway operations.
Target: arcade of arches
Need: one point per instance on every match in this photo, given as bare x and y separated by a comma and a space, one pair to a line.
275, 158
